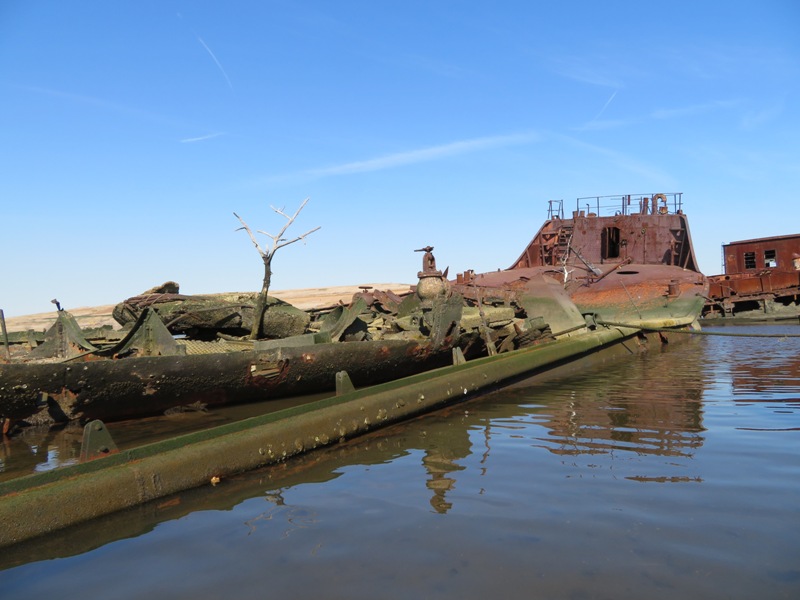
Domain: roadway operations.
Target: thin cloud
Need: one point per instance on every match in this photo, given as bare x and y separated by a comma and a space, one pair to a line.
731, 59
658, 114
599, 71
755, 119
219, 65
695, 109
202, 138
73, 97
101, 103
425, 154
624, 161
608, 124
438, 67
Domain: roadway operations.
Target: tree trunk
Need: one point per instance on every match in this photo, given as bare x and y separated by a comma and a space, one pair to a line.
261, 303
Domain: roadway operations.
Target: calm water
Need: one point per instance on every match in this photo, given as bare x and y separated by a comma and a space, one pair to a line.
673, 474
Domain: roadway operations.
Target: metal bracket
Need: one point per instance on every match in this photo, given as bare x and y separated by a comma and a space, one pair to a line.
96, 442
64, 339
458, 356
148, 337
343, 383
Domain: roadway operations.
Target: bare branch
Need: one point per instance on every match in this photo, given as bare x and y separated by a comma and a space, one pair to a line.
297, 239
250, 233
297, 212
289, 221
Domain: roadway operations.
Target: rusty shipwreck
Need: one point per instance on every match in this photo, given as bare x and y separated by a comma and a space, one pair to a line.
760, 282
615, 278
617, 261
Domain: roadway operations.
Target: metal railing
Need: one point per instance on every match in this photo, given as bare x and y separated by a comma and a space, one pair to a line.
630, 204
555, 209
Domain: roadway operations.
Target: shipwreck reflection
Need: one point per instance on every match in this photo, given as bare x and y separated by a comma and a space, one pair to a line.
441, 467
664, 420
607, 418
759, 369
651, 405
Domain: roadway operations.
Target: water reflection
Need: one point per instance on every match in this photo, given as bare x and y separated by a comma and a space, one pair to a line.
644, 406
441, 466
759, 369
294, 517
41, 448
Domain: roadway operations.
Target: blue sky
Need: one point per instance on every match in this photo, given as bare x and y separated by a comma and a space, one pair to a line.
131, 131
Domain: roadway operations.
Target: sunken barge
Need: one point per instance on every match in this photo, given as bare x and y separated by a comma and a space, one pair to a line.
760, 283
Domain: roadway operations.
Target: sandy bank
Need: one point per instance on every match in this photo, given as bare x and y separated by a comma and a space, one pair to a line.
97, 316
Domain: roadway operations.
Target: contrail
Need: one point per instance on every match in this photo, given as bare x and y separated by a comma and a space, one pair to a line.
201, 138
605, 106
216, 61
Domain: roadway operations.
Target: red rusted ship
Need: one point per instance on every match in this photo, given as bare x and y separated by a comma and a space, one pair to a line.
761, 281
623, 259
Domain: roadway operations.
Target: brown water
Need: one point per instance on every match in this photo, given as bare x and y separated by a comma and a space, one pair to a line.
673, 474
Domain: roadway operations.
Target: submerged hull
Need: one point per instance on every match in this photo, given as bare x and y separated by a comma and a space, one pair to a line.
634, 271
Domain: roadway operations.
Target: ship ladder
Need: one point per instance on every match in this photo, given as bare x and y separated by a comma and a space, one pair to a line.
563, 243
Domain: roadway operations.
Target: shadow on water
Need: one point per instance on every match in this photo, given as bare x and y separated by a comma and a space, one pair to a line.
637, 477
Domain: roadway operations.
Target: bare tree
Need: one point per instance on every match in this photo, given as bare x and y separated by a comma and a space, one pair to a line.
278, 241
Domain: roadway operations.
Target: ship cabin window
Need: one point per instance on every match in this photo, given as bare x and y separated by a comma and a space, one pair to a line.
749, 260
770, 258
610, 242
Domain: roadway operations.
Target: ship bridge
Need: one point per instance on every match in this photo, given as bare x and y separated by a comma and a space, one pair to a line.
632, 228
